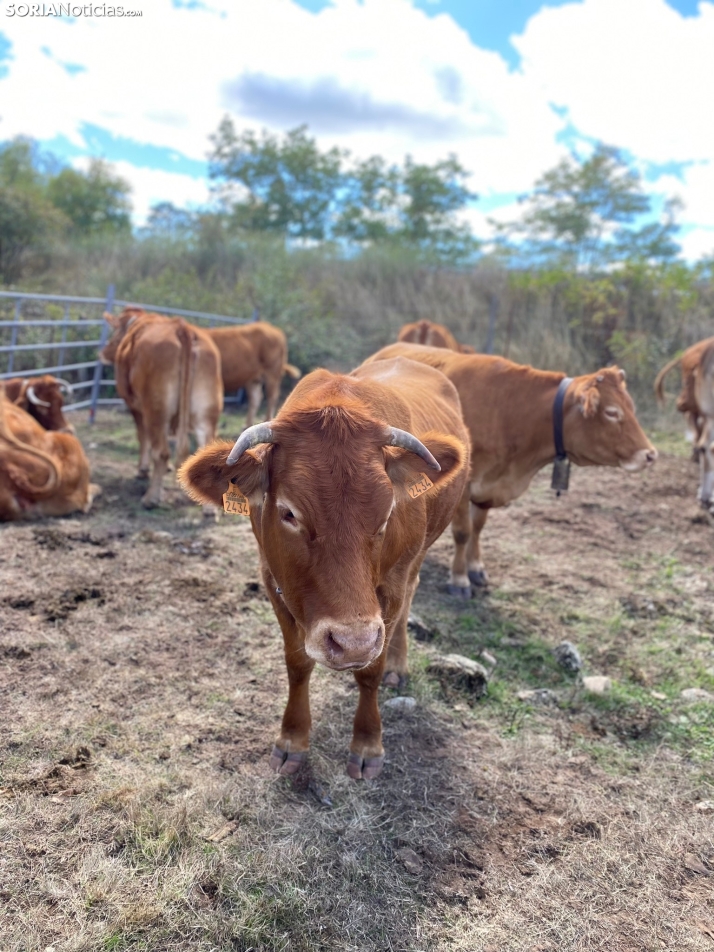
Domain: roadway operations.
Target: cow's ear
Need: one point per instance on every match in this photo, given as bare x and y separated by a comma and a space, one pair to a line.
588, 398
205, 475
111, 320
406, 469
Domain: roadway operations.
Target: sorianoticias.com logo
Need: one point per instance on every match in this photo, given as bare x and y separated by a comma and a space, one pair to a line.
68, 10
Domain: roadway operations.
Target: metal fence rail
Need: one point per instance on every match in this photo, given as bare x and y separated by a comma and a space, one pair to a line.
27, 316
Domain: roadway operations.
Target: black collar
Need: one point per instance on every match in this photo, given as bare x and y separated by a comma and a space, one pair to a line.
558, 418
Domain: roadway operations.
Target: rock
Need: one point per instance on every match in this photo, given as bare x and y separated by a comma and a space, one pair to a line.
658, 696
705, 806
488, 658
538, 696
460, 672
692, 695
568, 657
597, 684
419, 628
401, 704
412, 862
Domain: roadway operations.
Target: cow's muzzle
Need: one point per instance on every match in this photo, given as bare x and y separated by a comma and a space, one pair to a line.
343, 645
641, 460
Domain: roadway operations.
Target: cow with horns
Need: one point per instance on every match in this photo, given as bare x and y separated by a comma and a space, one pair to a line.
43, 398
346, 490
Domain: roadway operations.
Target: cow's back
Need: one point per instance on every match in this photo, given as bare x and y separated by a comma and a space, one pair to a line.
248, 351
428, 334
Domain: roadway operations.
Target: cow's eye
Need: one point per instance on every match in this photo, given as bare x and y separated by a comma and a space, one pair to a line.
613, 413
288, 517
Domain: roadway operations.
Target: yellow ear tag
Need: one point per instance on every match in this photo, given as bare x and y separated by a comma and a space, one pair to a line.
234, 502
422, 485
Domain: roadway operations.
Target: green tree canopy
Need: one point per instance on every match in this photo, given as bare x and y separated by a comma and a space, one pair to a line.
290, 187
40, 201
588, 214
95, 201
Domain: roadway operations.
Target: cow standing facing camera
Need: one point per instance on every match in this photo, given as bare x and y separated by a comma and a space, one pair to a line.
346, 488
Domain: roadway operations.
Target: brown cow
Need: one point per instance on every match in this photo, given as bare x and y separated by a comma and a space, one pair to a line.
696, 401
343, 512
432, 335
169, 374
254, 356
508, 410
41, 397
42, 472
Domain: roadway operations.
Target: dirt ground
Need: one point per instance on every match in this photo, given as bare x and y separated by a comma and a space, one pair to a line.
142, 684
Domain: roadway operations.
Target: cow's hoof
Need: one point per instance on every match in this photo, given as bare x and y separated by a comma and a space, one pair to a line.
478, 577
393, 680
286, 763
460, 591
364, 768
148, 502
143, 474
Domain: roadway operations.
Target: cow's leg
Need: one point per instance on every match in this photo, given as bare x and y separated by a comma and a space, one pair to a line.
459, 583
255, 395
160, 454
272, 392
293, 741
396, 668
144, 445
477, 573
366, 751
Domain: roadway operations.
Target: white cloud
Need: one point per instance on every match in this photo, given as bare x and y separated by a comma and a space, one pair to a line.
377, 76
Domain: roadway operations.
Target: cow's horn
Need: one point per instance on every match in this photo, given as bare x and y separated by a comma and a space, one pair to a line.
260, 433
408, 442
33, 398
64, 385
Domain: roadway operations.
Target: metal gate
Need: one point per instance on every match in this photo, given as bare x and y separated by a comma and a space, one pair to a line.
61, 335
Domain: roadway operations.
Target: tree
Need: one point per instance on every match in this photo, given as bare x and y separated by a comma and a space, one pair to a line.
585, 216
168, 221
290, 187
28, 219
286, 186
95, 202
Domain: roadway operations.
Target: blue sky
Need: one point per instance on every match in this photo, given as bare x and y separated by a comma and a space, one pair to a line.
510, 86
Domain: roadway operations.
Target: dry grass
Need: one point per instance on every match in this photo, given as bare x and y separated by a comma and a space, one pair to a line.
137, 811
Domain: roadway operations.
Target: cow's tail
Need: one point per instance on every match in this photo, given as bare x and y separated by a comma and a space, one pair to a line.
659, 382
423, 328
16, 471
292, 371
186, 374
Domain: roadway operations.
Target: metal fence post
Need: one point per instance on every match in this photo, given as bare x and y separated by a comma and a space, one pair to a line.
13, 337
99, 366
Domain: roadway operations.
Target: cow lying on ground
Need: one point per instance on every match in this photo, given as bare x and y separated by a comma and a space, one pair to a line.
41, 397
42, 473
347, 488
254, 356
696, 401
432, 335
508, 411
169, 374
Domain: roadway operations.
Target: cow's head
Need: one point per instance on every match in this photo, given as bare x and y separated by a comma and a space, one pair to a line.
43, 398
330, 504
600, 426
119, 324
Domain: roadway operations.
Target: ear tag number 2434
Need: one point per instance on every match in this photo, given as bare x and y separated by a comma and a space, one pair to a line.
234, 502
421, 485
